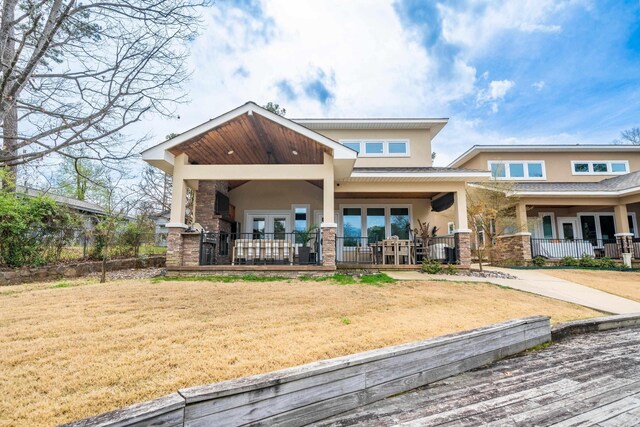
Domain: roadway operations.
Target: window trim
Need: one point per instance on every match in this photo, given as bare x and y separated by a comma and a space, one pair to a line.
591, 171
306, 207
507, 170
451, 228
363, 217
385, 147
636, 232
597, 216
554, 230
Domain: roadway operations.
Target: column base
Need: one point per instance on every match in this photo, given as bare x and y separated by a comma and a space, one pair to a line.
328, 245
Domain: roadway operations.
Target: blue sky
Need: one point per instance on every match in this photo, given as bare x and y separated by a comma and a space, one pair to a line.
504, 72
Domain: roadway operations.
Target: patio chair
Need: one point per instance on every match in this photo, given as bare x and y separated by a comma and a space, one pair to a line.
389, 250
404, 254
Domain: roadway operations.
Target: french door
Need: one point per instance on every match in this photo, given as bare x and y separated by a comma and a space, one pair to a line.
568, 229
272, 226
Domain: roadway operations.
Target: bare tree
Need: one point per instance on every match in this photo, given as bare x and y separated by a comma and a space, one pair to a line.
154, 191
490, 213
630, 136
78, 73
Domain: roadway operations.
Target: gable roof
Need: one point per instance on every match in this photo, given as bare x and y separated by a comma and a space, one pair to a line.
79, 205
477, 149
160, 156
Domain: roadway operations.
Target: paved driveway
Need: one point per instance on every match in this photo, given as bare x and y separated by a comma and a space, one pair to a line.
541, 284
587, 380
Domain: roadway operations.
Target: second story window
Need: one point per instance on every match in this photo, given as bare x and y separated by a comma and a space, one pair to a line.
599, 167
518, 169
379, 147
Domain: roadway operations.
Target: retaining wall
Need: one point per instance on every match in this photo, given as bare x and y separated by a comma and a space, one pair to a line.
61, 271
308, 393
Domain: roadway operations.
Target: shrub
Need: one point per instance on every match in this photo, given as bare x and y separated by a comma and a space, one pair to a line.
539, 261
33, 230
431, 266
569, 262
606, 262
587, 261
450, 269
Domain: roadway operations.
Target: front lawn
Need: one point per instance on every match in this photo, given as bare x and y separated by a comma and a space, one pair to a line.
73, 349
622, 283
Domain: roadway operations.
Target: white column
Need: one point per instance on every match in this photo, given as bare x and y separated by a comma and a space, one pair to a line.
328, 193
622, 220
521, 218
179, 193
460, 204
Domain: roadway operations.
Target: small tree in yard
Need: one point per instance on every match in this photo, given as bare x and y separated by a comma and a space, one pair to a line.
117, 208
491, 213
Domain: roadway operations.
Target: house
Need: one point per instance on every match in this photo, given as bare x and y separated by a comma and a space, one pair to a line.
261, 182
574, 200
160, 220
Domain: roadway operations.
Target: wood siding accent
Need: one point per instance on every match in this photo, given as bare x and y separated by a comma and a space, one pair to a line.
254, 140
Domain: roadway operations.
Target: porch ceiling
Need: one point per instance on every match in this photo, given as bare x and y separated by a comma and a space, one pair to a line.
251, 139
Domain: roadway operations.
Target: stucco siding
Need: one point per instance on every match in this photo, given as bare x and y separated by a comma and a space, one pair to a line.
419, 143
557, 165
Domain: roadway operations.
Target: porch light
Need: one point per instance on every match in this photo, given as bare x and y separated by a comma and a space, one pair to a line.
295, 153
230, 152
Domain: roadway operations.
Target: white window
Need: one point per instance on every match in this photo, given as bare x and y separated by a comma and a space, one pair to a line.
450, 227
599, 167
518, 169
378, 147
375, 222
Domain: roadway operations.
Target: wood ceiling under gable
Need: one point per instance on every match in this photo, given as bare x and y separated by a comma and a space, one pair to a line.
253, 139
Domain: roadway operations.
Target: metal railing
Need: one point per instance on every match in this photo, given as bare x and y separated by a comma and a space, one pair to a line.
575, 248
368, 250
259, 248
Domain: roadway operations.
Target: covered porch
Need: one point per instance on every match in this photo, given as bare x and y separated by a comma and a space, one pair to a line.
556, 226
255, 191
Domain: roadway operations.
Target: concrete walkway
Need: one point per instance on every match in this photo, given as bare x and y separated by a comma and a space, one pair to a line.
539, 283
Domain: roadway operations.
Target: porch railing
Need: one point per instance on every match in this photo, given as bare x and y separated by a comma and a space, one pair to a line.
370, 250
258, 248
577, 248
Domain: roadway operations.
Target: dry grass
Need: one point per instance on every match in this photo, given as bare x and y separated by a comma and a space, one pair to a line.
621, 283
80, 349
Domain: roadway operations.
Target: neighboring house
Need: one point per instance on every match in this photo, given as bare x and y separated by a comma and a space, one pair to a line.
574, 199
261, 180
88, 211
160, 221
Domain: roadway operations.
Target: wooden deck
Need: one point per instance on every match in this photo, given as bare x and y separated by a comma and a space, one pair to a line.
591, 380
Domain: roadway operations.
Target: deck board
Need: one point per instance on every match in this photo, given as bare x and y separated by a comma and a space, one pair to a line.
591, 379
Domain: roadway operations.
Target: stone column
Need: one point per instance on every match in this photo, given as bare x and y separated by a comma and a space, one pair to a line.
174, 247
513, 249
462, 239
625, 243
329, 244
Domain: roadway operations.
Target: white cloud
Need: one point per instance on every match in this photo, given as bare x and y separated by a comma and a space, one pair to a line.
475, 27
377, 66
371, 62
496, 91
539, 85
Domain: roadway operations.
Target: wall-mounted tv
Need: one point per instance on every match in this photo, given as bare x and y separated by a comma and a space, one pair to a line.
222, 205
